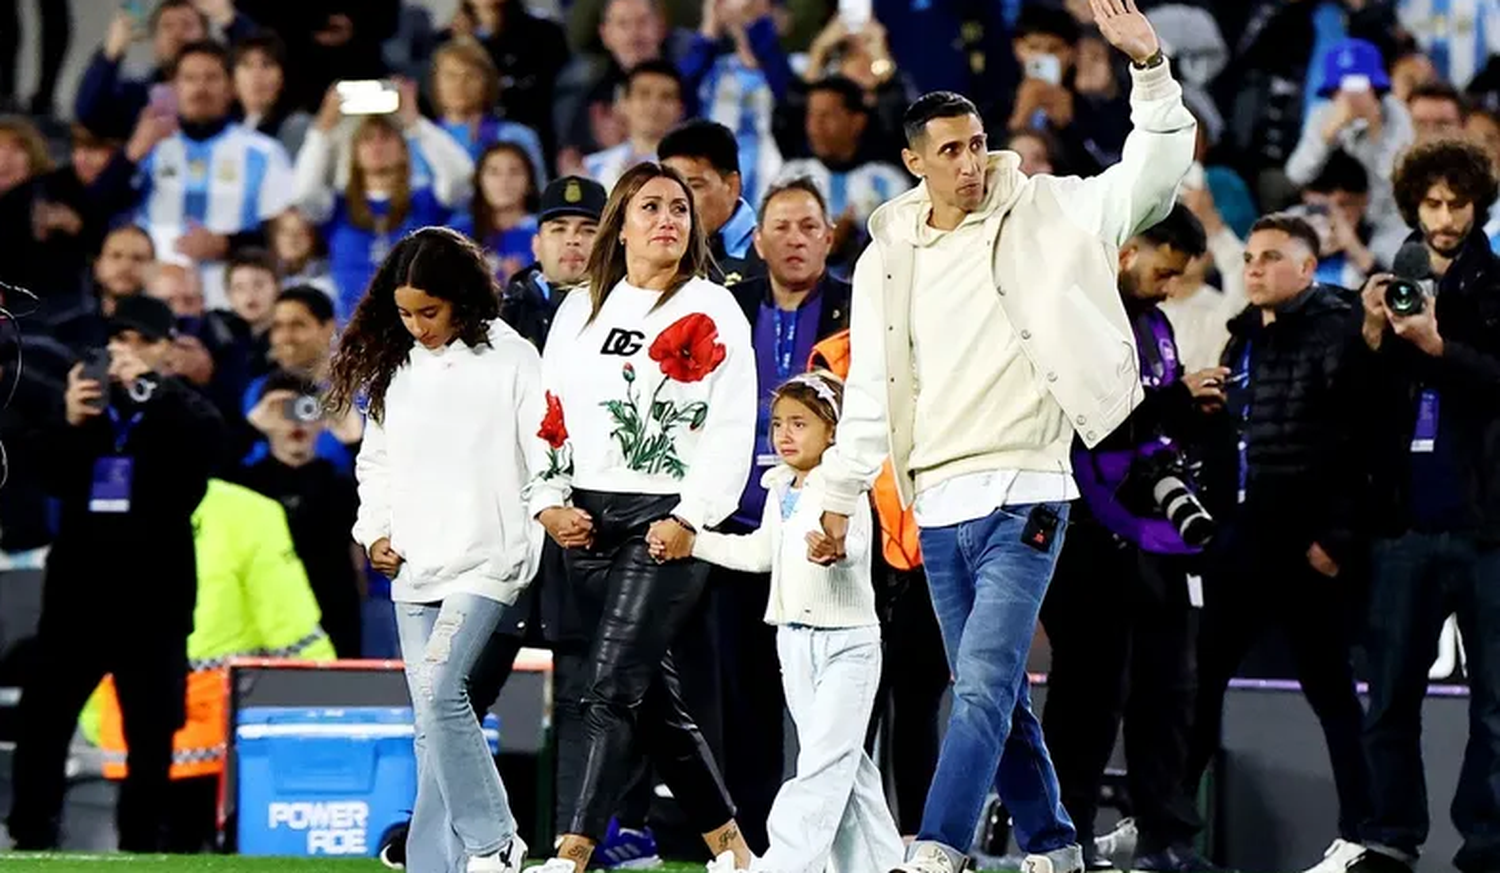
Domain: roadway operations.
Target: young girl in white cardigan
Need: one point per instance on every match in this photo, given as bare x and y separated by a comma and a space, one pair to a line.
828, 639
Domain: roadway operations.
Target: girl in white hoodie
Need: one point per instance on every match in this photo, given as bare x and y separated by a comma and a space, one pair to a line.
440, 472
828, 640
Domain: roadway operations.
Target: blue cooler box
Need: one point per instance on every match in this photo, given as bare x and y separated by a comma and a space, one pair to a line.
326, 781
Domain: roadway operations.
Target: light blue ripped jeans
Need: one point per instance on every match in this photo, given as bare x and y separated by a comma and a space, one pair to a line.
461, 808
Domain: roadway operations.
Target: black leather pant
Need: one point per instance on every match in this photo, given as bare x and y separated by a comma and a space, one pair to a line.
632, 704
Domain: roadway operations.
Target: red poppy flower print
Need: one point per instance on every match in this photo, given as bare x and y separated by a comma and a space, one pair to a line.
689, 349
554, 430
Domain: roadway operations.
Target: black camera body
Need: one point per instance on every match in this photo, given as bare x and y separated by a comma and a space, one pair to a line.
1161, 483
303, 409
1407, 293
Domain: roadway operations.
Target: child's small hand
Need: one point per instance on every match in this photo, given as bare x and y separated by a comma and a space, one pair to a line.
669, 541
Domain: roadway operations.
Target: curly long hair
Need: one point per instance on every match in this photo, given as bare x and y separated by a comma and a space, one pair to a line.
1462, 165
376, 344
606, 266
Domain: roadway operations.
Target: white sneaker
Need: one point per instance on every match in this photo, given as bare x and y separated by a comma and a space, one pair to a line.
723, 864
929, 858
1119, 844
508, 860
1340, 855
556, 865
1047, 864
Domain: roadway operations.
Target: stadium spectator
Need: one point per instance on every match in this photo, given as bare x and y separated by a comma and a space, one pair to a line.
327, 40
1458, 45
130, 464
1437, 111
1039, 151
502, 215
260, 89
320, 504
650, 105
568, 222
466, 89
301, 255
1335, 204
1199, 311
380, 202
705, 153
864, 58
253, 289
529, 51
24, 159
631, 32
108, 103
733, 73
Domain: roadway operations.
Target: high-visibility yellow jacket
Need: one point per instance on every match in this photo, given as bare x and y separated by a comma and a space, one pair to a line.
254, 600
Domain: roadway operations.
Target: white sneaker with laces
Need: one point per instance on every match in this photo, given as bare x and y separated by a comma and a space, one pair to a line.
1119, 844
723, 864
1046, 864
1340, 855
556, 865
508, 860
929, 858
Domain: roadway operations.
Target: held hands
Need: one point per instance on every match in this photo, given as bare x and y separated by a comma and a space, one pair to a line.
1123, 25
384, 558
826, 548
670, 541
569, 527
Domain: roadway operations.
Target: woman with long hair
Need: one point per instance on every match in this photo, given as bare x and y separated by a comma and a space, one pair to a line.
452, 394
649, 430
380, 202
502, 216
259, 63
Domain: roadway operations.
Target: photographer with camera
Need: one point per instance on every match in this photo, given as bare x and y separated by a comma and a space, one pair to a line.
129, 465
1282, 478
1118, 613
1433, 336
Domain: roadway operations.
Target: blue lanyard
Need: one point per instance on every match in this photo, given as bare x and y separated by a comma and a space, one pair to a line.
123, 429
786, 342
1242, 375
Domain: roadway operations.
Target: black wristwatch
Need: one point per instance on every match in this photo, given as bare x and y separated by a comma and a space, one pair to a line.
683, 524
1157, 59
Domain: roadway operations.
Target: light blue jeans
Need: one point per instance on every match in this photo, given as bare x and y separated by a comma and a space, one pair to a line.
461, 808
987, 589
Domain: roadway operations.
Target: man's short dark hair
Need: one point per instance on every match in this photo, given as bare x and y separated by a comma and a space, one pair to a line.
1342, 172
252, 257
1439, 90
934, 104
654, 67
704, 140
850, 93
206, 47
265, 42
795, 183
1294, 227
1462, 165
313, 300
283, 380
1180, 230
167, 5
1036, 18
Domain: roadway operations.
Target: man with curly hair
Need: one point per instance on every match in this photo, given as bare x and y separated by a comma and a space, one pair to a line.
1434, 450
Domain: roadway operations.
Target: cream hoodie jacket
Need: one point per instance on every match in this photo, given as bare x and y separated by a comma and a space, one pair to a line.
1055, 245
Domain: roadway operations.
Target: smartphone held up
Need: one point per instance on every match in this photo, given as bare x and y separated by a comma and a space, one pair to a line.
368, 96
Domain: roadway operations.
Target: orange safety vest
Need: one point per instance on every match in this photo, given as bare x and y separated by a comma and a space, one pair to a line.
898, 526
198, 748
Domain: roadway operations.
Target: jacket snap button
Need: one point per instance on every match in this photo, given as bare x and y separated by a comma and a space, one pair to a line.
1025, 334
1051, 377
1089, 435
1081, 420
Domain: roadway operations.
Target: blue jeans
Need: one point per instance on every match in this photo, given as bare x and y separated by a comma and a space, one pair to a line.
461, 809
1417, 580
982, 576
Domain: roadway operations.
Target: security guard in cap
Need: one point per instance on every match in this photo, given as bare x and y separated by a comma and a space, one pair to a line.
569, 219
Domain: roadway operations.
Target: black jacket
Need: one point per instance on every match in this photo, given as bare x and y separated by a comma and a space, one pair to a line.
139, 564
528, 309
1303, 479
835, 293
1467, 377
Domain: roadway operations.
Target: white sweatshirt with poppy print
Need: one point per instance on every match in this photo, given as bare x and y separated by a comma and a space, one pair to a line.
649, 399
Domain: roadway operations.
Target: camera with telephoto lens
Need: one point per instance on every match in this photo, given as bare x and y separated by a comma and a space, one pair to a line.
1405, 297
303, 409
1161, 482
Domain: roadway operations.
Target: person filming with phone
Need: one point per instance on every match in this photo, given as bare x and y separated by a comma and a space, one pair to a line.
129, 462
1432, 332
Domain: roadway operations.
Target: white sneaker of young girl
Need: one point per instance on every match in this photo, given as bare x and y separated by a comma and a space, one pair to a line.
508, 860
555, 865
